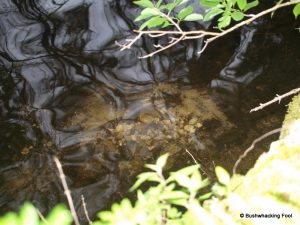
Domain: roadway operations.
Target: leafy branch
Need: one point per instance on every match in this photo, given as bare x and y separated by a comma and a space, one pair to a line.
173, 199
158, 16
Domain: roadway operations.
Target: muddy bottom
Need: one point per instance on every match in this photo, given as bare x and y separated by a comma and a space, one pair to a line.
170, 118
114, 141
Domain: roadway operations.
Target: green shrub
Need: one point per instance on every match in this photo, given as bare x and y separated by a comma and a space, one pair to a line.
28, 215
156, 14
173, 199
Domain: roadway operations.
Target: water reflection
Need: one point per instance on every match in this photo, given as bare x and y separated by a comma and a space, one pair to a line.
68, 90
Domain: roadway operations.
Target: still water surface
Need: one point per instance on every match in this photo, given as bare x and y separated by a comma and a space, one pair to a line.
67, 90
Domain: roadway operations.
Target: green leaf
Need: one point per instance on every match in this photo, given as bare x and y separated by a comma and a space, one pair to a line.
180, 2
141, 197
184, 172
242, 4
212, 13
251, 5
97, 223
9, 219
190, 215
296, 10
193, 17
144, 25
166, 24
205, 196
229, 3
142, 17
196, 181
28, 215
185, 12
162, 160
173, 213
147, 176
219, 190
204, 183
183, 180
175, 195
169, 6
152, 166
144, 3
180, 202
106, 216
158, 4
222, 175
126, 204
209, 3
237, 16
170, 187
116, 207
224, 22
60, 215
146, 13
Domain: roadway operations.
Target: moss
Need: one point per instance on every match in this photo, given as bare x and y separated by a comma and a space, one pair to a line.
293, 114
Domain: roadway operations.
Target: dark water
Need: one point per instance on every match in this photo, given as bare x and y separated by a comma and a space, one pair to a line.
67, 90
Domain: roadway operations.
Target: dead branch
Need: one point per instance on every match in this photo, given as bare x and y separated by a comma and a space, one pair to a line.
85, 210
252, 146
163, 48
187, 35
196, 162
41, 216
67, 190
278, 99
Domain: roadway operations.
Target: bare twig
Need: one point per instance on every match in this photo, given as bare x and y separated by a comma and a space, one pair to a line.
174, 32
252, 146
186, 35
67, 190
163, 48
204, 47
41, 216
85, 210
278, 99
196, 162
171, 21
156, 35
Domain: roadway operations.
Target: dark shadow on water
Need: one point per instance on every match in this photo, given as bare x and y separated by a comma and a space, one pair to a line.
67, 90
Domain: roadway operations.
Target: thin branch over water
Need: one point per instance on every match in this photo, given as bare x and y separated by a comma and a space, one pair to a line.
67, 190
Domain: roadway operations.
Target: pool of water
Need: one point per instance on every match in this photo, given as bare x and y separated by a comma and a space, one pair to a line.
67, 90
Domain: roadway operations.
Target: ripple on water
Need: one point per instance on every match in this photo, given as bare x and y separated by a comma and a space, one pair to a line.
69, 91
